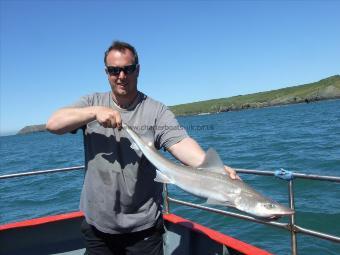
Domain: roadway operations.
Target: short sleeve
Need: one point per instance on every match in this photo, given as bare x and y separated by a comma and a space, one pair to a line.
84, 101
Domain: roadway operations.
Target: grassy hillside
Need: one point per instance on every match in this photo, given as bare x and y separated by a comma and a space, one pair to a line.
328, 88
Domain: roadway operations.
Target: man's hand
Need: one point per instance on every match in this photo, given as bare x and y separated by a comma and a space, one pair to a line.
108, 117
232, 173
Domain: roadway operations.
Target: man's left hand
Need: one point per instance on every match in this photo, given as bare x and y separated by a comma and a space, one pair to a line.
232, 173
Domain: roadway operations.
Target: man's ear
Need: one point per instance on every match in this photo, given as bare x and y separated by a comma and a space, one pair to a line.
138, 68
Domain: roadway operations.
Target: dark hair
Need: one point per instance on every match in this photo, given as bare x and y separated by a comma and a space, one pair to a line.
122, 47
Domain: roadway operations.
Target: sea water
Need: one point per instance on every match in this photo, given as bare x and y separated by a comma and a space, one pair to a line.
303, 138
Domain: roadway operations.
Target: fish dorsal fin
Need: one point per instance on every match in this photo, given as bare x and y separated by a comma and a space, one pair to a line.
212, 162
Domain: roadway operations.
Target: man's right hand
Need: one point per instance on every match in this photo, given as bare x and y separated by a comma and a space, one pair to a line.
108, 117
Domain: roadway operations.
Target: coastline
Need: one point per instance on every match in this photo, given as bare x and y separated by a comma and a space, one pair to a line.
325, 89
41, 128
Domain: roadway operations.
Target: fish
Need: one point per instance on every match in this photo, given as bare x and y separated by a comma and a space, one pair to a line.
208, 180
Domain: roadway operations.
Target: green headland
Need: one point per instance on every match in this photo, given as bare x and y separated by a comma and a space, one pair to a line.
324, 89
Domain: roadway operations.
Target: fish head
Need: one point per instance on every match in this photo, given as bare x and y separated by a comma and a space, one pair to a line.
271, 210
259, 206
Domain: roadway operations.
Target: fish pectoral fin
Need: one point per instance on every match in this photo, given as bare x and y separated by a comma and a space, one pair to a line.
211, 201
160, 177
135, 147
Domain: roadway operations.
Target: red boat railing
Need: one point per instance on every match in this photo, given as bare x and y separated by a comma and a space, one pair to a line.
292, 227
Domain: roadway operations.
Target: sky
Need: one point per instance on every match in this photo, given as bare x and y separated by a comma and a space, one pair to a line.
52, 51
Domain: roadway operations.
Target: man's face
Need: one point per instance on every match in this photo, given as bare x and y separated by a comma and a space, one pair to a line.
122, 84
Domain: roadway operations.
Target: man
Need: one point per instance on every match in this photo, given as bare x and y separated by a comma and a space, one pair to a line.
120, 199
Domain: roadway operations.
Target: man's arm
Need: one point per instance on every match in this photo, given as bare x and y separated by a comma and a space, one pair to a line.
69, 119
190, 153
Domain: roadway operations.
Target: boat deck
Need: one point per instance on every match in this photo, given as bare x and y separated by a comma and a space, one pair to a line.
60, 234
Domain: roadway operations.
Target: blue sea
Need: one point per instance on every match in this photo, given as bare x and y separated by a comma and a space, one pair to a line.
303, 138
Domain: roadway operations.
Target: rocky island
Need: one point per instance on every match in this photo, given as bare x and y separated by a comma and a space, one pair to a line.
32, 129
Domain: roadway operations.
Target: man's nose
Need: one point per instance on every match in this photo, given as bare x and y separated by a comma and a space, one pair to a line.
121, 75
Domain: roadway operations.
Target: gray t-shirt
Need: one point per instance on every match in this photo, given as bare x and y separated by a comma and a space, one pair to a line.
119, 194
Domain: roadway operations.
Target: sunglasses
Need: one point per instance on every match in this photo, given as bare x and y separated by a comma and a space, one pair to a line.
115, 70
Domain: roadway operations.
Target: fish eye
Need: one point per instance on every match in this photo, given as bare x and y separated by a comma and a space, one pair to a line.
269, 206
